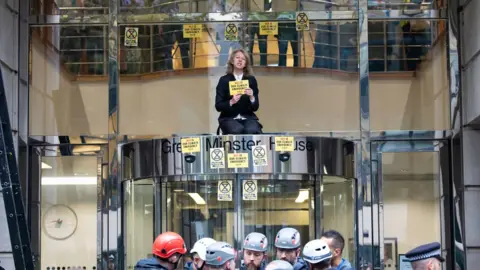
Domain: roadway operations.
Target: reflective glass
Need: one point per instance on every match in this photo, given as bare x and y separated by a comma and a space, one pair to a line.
68, 212
169, 79
411, 193
63, 61
409, 87
71, 7
407, 6
139, 220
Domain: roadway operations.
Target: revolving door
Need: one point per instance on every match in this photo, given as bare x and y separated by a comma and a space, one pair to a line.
226, 190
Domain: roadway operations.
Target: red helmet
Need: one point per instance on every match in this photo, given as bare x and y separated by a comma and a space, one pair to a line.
167, 244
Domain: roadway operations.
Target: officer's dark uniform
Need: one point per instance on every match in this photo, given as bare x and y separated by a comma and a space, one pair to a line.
427, 251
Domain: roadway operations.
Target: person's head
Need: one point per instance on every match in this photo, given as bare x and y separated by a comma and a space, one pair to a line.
287, 243
220, 255
426, 257
317, 254
240, 62
279, 265
168, 248
199, 251
254, 247
427, 264
335, 242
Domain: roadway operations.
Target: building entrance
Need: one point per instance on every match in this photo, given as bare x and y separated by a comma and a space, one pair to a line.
229, 186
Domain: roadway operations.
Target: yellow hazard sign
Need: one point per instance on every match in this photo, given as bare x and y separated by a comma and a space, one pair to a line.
302, 23
268, 28
231, 32
192, 30
131, 36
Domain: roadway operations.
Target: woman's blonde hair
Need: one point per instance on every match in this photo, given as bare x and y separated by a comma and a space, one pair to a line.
247, 70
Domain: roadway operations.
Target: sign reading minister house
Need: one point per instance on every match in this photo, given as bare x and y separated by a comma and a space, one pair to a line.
279, 143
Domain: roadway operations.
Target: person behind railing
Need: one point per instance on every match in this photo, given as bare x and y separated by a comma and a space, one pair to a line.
286, 31
254, 29
237, 110
165, 37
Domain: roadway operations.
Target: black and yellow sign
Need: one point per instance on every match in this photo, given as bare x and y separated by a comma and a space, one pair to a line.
190, 145
238, 160
238, 87
284, 144
231, 32
302, 22
268, 28
131, 36
192, 30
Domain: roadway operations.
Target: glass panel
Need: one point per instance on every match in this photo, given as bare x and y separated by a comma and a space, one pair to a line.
69, 212
409, 87
194, 211
279, 204
411, 193
61, 101
70, 7
409, 6
288, 88
139, 216
339, 211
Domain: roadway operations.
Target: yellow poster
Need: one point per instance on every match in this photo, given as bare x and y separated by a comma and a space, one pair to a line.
268, 28
284, 144
192, 30
302, 23
238, 160
231, 32
190, 145
238, 87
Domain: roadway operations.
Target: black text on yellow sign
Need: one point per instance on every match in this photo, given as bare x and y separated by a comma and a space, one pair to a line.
238, 160
192, 30
190, 145
131, 36
268, 28
284, 144
302, 23
231, 32
238, 87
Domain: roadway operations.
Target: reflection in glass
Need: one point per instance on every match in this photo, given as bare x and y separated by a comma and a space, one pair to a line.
68, 211
139, 217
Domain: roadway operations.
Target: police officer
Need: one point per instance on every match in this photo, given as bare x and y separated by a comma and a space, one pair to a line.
220, 255
167, 250
426, 257
199, 251
254, 248
287, 243
279, 265
317, 254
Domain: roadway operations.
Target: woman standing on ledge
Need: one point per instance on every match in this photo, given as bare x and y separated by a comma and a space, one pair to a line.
237, 97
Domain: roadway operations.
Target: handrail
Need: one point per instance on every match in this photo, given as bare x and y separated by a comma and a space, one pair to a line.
93, 61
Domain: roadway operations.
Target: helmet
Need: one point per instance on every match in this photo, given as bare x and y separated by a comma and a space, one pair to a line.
219, 253
316, 251
167, 244
287, 238
256, 242
279, 265
200, 247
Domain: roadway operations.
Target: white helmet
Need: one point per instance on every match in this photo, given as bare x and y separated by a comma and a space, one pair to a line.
200, 247
279, 265
316, 251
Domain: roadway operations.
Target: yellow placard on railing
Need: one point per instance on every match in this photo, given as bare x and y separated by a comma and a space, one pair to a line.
131, 36
190, 145
284, 144
302, 22
231, 32
238, 160
238, 87
268, 28
192, 30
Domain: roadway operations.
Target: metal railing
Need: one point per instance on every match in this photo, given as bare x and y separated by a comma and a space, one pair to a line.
393, 47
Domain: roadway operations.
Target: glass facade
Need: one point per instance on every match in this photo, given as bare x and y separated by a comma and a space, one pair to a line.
106, 73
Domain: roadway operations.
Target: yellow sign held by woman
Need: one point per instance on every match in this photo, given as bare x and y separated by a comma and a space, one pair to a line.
238, 87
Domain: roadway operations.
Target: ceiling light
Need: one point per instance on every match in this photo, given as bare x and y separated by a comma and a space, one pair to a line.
178, 190
302, 196
197, 198
45, 166
54, 181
